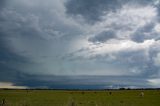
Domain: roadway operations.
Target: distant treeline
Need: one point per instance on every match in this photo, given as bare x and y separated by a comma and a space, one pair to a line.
84, 89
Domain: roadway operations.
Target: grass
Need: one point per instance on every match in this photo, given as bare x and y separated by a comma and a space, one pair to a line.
80, 98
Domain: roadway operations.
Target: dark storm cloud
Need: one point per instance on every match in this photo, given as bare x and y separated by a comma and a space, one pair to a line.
145, 33
92, 10
2, 4
139, 62
79, 82
7, 56
35, 34
8, 68
19, 78
34, 29
35, 19
103, 36
158, 8
24, 24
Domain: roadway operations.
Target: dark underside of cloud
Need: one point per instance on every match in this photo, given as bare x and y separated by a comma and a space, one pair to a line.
19, 78
71, 82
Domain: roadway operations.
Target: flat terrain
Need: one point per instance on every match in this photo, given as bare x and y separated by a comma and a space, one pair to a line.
79, 98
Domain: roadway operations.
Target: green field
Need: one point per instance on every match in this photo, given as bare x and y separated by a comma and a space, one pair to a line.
79, 98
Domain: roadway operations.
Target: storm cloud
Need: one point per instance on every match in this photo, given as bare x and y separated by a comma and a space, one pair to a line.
75, 42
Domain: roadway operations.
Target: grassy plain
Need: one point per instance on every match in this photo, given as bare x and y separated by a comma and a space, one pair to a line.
79, 98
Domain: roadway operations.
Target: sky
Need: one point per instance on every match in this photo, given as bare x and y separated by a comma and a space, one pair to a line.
79, 44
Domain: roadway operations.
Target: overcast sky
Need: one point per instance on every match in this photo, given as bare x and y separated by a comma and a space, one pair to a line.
79, 43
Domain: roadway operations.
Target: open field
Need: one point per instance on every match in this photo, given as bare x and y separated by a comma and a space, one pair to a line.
79, 98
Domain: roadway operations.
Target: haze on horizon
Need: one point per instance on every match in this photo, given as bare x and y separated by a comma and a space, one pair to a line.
91, 44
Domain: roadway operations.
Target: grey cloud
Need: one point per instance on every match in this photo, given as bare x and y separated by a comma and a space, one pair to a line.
138, 61
2, 4
73, 82
20, 78
34, 34
42, 23
158, 7
142, 61
37, 18
145, 33
9, 63
92, 10
33, 30
31, 24
103, 36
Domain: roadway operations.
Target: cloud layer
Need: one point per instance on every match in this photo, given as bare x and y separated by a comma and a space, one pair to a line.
74, 38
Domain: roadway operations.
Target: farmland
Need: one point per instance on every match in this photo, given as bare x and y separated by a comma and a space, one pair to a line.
79, 98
